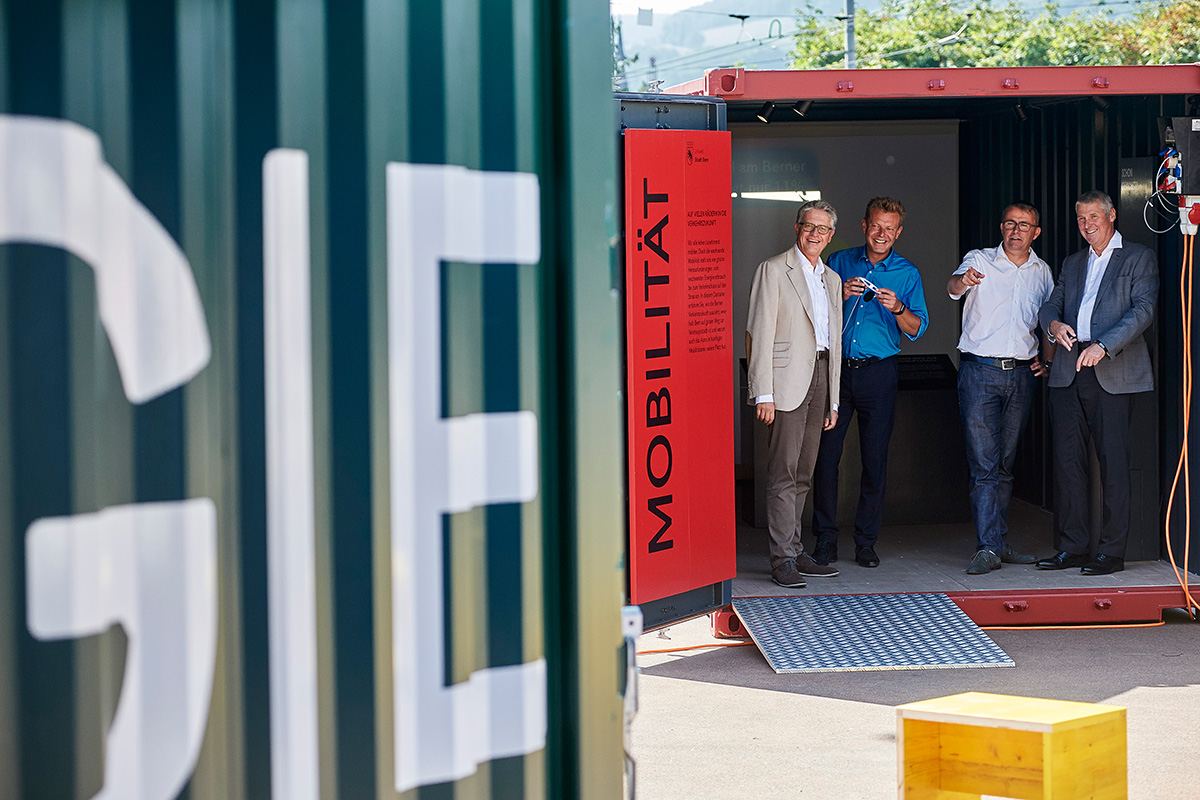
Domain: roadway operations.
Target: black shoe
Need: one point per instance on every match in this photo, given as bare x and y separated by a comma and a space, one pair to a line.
983, 562
1010, 556
865, 556
1062, 561
825, 553
1103, 565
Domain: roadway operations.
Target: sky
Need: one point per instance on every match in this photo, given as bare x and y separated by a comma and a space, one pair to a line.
658, 6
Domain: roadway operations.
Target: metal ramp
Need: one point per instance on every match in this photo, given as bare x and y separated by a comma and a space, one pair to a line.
847, 633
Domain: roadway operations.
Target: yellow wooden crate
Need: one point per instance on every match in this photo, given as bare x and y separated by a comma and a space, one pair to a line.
967, 745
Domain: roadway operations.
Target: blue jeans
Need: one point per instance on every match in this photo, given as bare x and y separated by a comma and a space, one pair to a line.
994, 404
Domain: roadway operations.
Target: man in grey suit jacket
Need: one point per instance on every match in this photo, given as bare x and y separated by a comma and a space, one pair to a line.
793, 346
1101, 305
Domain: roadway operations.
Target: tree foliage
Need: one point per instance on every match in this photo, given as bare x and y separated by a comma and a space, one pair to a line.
619, 60
988, 33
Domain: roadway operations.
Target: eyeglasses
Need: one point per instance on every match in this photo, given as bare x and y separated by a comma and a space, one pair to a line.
1012, 225
808, 227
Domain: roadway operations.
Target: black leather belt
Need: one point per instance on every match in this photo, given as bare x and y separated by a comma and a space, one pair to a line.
999, 363
822, 355
856, 363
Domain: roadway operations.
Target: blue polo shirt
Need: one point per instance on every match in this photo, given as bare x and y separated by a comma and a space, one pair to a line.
869, 329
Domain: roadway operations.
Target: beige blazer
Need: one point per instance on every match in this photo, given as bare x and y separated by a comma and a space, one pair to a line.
782, 344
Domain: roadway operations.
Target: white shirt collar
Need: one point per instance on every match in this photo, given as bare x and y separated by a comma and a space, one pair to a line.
1115, 243
817, 268
1003, 256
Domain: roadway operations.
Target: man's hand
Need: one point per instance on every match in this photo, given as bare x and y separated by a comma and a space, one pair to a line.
765, 412
887, 298
852, 287
1090, 357
830, 421
959, 284
1063, 333
971, 277
1039, 369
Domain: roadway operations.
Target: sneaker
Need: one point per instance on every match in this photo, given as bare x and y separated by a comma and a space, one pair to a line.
984, 562
1010, 556
786, 575
812, 568
825, 553
865, 556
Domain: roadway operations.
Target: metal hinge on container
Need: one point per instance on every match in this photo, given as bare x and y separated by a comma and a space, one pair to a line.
631, 629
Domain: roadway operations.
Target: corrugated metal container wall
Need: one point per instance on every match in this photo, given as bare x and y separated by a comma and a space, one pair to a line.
513, 690
1059, 149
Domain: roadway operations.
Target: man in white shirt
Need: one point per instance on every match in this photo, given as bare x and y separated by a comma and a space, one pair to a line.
1004, 286
1100, 308
793, 347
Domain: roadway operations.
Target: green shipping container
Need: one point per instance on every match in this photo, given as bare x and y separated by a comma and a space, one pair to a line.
310, 466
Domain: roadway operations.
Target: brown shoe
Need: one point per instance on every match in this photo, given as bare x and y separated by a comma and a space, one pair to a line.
786, 575
807, 566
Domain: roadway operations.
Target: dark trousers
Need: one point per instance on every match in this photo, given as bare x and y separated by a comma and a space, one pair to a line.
1078, 412
791, 452
994, 404
871, 392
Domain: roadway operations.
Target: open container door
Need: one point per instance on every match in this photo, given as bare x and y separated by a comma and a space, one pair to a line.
677, 280
957, 145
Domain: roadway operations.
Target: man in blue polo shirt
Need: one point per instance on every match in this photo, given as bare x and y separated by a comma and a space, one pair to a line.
882, 297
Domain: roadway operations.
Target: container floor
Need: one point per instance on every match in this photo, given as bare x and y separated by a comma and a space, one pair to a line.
933, 558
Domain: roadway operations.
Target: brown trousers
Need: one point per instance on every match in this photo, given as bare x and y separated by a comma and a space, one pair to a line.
791, 456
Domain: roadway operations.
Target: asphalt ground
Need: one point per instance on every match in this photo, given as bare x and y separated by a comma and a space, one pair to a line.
720, 723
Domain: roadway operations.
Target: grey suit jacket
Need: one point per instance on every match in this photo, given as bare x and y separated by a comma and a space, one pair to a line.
1124, 309
783, 338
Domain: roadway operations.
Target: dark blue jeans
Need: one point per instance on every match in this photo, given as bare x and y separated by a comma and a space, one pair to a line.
994, 404
871, 392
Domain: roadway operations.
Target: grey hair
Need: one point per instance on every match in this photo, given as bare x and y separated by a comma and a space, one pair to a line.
1095, 196
817, 205
1027, 208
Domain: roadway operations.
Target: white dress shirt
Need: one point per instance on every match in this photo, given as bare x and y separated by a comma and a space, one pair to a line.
814, 277
1001, 313
1097, 264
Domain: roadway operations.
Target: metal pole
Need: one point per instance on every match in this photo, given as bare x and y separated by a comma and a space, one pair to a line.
851, 56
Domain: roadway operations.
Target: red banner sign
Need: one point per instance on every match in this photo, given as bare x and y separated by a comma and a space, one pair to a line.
678, 317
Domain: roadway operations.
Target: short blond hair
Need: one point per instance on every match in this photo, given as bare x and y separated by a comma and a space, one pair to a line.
886, 205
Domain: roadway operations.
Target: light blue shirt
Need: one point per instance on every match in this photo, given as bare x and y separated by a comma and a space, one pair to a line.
870, 329
1097, 264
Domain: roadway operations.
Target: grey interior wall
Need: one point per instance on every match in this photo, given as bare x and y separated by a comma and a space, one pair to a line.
848, 163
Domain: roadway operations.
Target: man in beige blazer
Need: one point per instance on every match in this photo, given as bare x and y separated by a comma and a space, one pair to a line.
794, 348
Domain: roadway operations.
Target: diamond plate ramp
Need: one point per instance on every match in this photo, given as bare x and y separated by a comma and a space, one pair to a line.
847, 633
